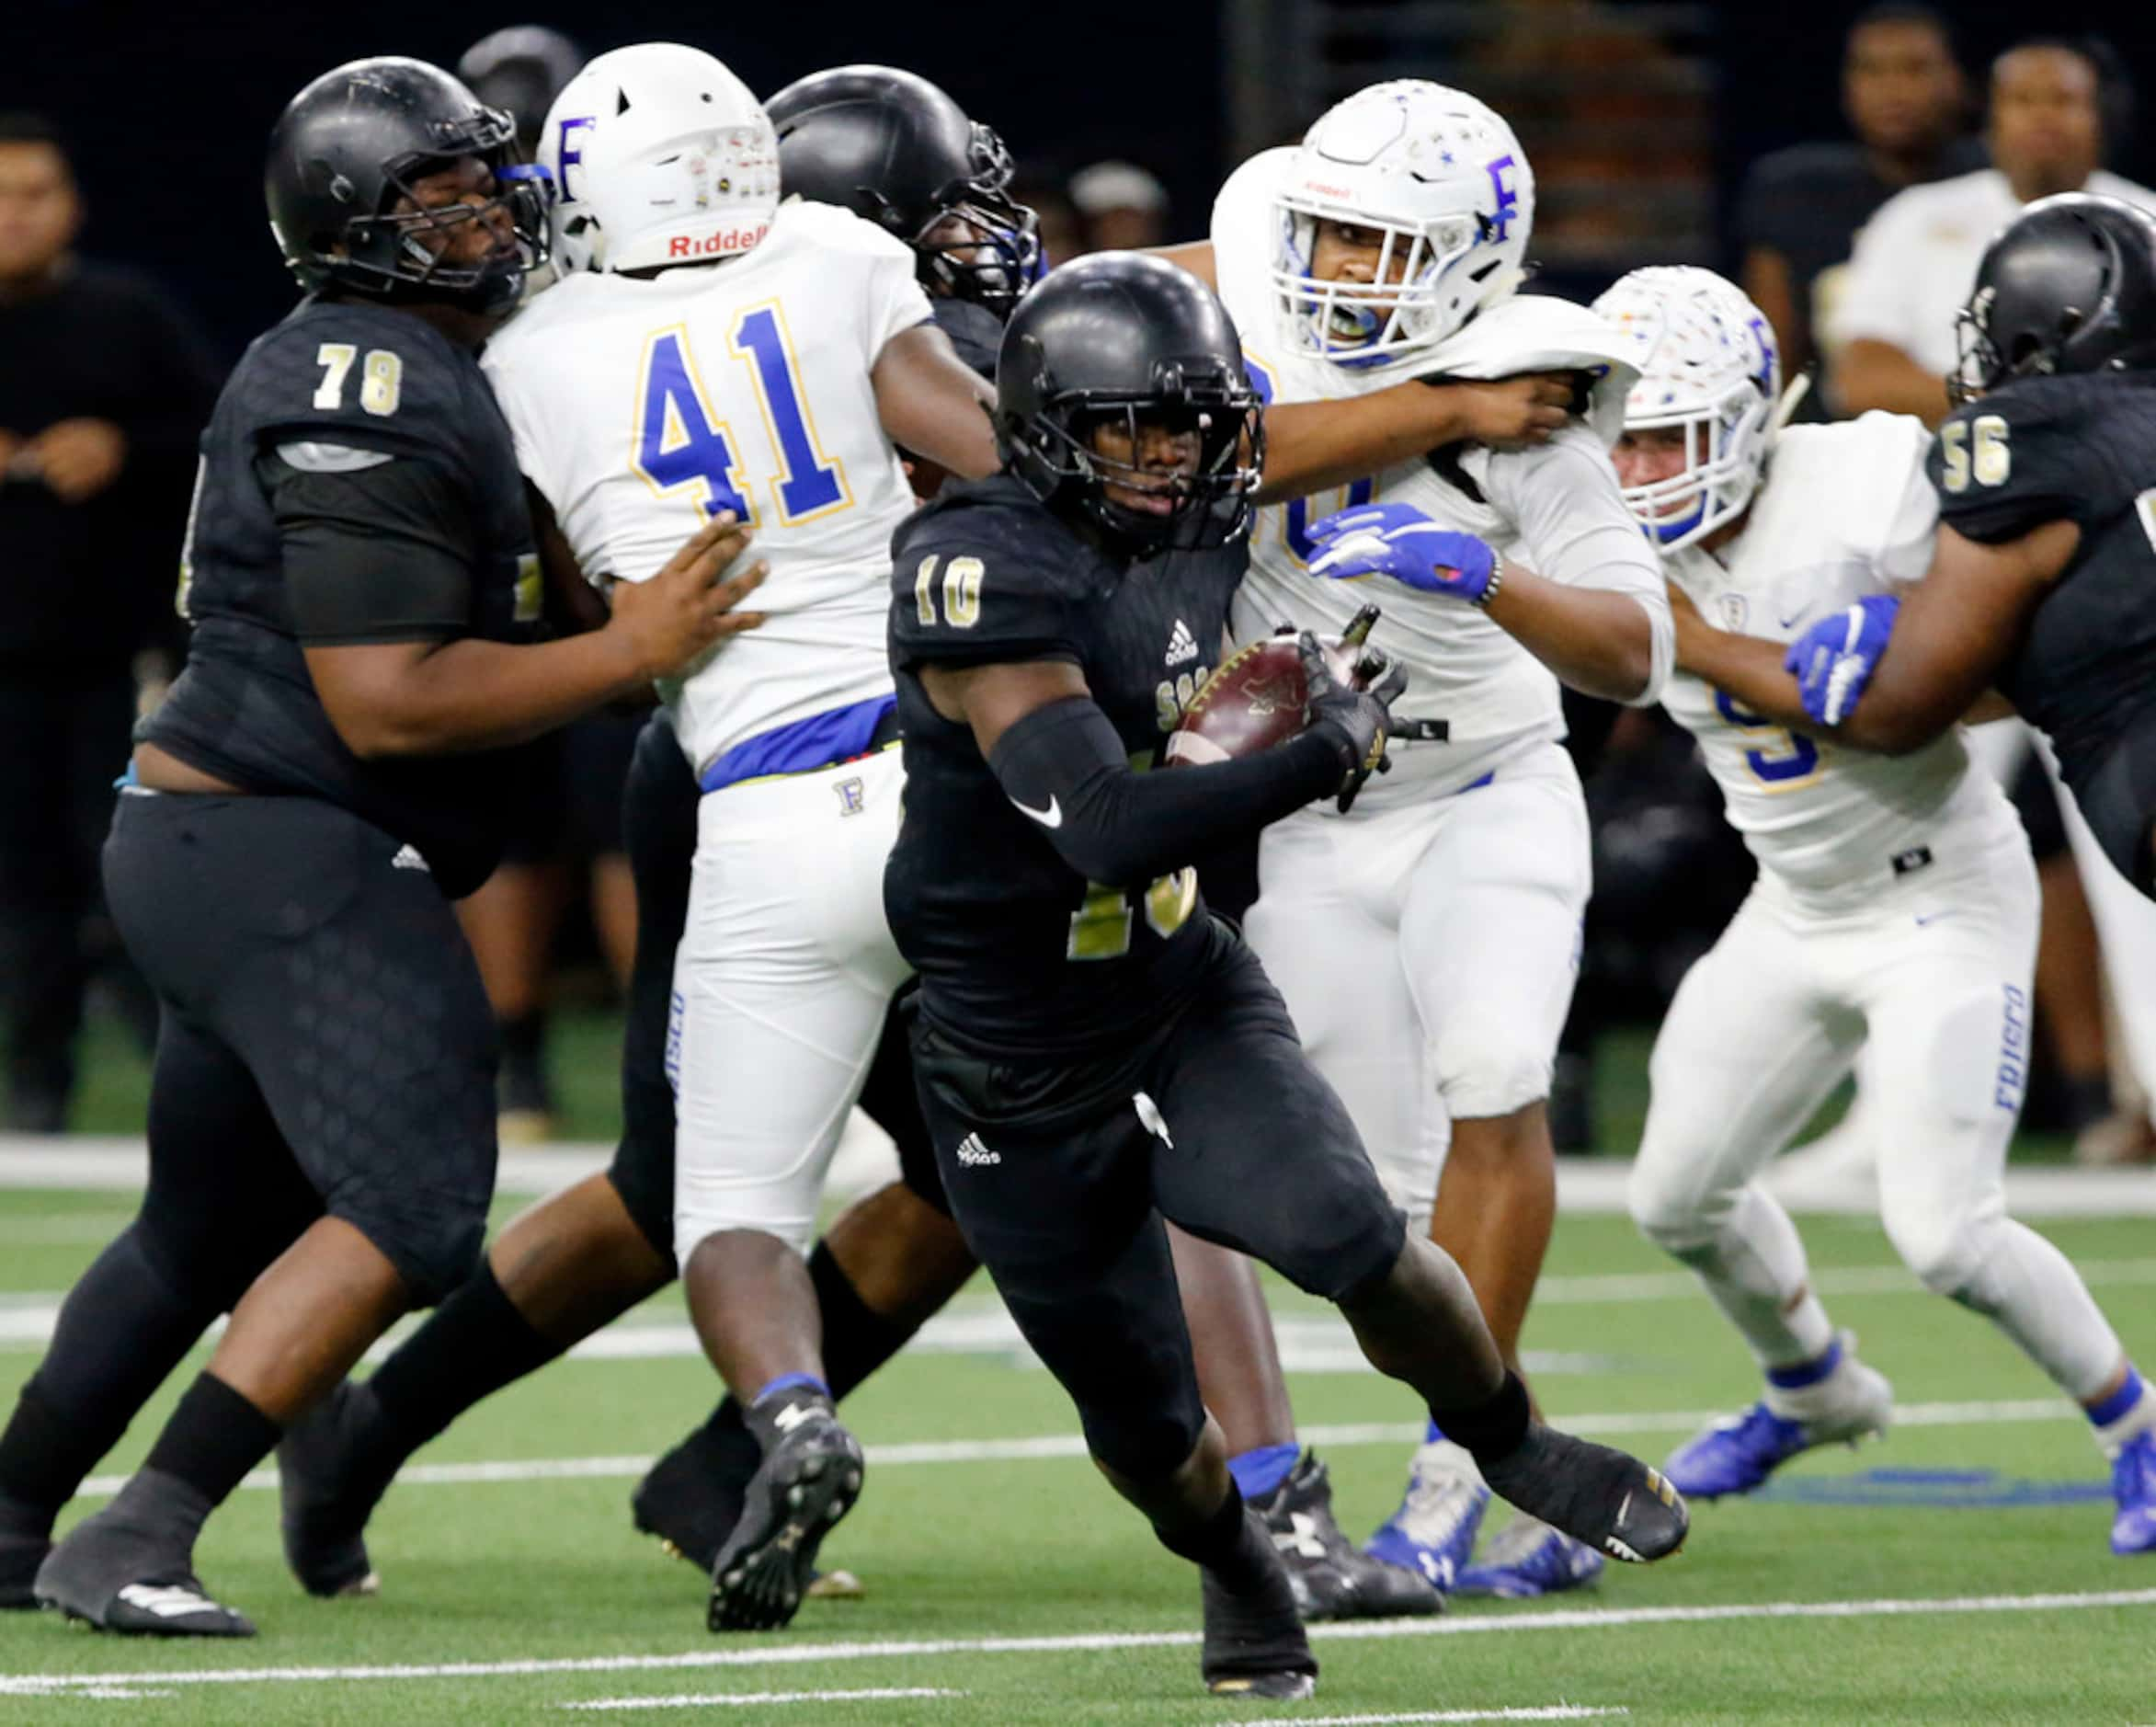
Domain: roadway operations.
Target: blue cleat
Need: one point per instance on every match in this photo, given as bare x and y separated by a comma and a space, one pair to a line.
1527, 1558
1735, 1456
1432, 1533
2133, 1484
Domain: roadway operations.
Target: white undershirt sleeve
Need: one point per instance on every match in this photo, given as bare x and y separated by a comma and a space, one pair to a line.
1575, 528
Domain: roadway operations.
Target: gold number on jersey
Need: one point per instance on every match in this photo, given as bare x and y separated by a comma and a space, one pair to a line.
187, 542
1101, 927
962, 592
1975, 450
335, 360
383, 385
382, 381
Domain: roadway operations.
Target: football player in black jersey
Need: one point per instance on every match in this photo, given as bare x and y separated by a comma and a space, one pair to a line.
297, 817
896, 150
2044, 582
1095, 1050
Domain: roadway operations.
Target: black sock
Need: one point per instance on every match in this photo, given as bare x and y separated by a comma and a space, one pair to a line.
1227, 1544
2085, 1100
213, 1439
472, 1345
523, 1069
1490, 1429
120, 1331
857, 1339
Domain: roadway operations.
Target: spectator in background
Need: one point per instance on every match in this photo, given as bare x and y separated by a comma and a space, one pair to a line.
1907, 101
2058, 105
569, 783
104, 388
1124, 207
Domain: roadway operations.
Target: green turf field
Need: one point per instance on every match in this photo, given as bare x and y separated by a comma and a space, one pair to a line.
1007, 1585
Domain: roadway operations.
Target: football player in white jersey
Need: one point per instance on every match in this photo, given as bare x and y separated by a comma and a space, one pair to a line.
720, 353
1390, 246
1896, 907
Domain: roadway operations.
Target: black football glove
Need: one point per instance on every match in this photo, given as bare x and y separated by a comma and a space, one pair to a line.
1359, 718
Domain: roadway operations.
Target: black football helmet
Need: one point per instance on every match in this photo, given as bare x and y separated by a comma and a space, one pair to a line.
521, 67
348, 148
1123, 336
2067, 286
892, 147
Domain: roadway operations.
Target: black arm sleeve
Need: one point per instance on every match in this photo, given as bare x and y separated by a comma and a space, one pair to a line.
1123, 827
381, 553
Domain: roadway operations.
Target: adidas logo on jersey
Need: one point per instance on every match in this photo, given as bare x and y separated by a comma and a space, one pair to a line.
408, 858
1181, 645
975, 1155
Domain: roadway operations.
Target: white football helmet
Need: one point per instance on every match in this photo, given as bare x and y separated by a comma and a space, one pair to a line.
658, 155
1707, 363
1437, 173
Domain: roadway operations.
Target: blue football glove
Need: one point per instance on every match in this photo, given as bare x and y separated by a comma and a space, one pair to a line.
1399, 541
1834, 659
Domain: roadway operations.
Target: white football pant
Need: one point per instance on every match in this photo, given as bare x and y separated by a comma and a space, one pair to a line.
1934, 976
785, 971
1428, 955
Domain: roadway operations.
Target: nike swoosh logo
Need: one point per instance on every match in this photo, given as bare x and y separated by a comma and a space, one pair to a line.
1051, 816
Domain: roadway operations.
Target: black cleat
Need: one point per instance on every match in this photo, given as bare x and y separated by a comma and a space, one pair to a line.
121, 1577
26, 1536
1611, 1500
807, 1481
1255, 1645
21, 1555
692, 1498
1333, 1578
325, 1500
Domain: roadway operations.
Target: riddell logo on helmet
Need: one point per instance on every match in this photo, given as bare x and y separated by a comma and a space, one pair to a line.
719, 243
1330, 192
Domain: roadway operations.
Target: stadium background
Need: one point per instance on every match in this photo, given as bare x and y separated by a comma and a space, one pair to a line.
1004, 1586
1641, 119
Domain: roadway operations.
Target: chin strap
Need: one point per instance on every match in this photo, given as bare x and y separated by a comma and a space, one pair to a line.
1785, 409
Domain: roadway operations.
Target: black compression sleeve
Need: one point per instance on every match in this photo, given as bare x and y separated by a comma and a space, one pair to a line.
1119, 826
381, 553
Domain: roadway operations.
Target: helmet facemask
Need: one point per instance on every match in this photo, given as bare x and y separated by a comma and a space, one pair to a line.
989, 251
386, 253
1053, 451
1368, 324
1723, 459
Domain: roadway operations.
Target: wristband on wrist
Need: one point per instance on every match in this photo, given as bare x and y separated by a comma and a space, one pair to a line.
1497, 580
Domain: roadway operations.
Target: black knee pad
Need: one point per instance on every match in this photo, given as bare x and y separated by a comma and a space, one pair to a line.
888, 1099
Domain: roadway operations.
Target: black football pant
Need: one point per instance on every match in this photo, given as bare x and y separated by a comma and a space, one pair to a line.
325, 1047
658, 830
1059, 1177
62, 745
2119, 801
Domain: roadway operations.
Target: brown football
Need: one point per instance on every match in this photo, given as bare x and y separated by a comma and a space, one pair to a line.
1253, 701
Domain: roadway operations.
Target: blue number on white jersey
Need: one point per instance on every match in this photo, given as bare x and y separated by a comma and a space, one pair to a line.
809, 486
1788, 759
680, 441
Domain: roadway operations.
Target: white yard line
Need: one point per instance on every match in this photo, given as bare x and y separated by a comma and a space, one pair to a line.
797, 1654
1588, 1186
882, 1693
1334, 1437
1554, 1712
1310, 1341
